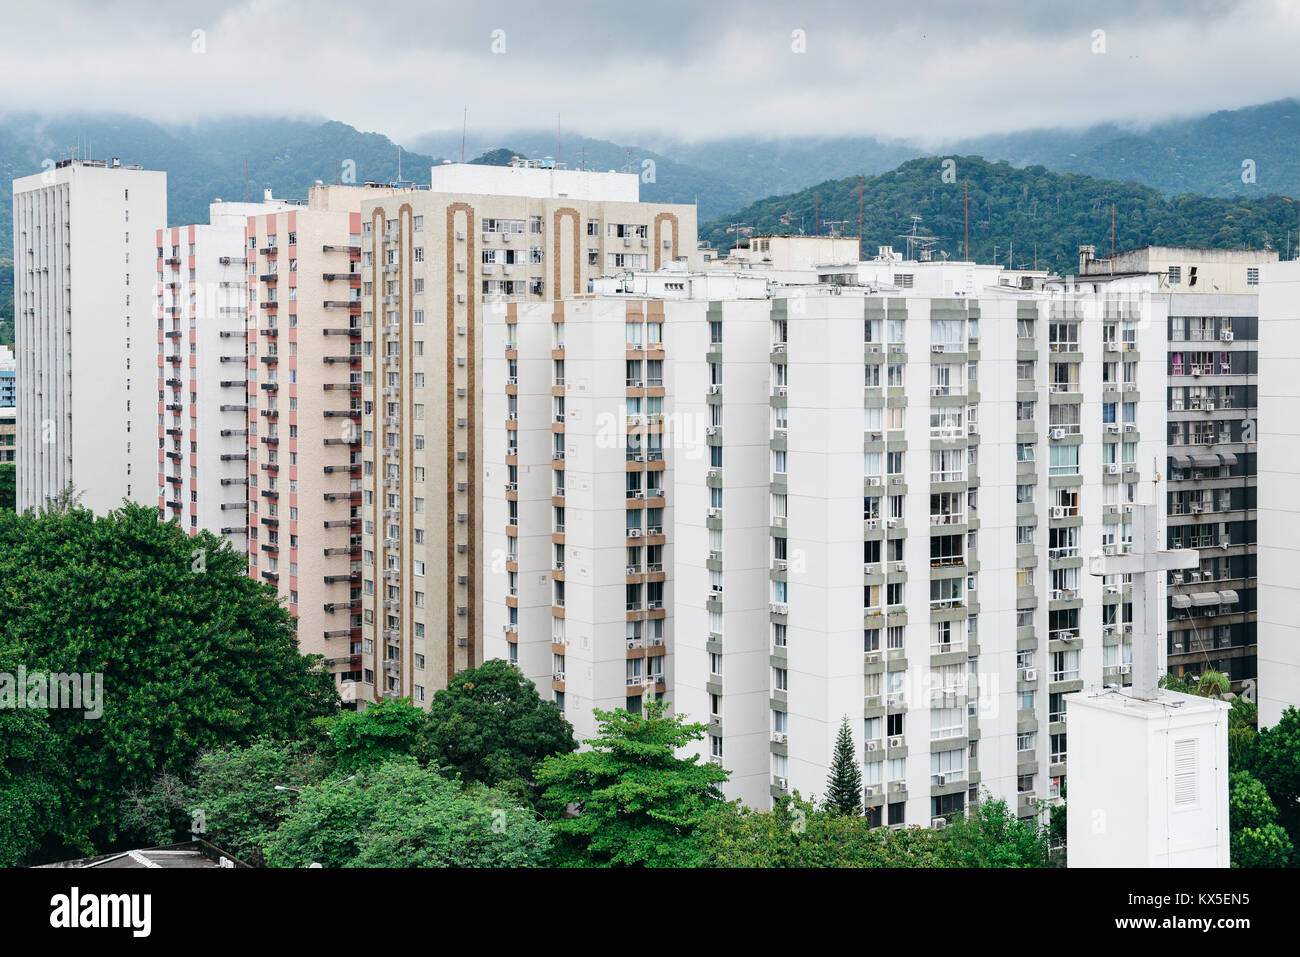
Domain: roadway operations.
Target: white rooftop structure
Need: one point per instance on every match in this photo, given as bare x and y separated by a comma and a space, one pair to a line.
530, 179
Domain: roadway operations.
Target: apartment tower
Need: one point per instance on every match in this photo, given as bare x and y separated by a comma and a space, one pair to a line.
202, 309
439, 266
958, 415
84, 276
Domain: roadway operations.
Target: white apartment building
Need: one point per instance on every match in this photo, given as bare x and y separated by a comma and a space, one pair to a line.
1279, 490
969, 440
202, 311
84, 278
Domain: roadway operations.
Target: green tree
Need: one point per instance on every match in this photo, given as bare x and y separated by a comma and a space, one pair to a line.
235, 797
797, 833
1257, 840
192, 654
385, 730
400, 814
490, 725
990, 835
1275, 761
628, 799
844, 784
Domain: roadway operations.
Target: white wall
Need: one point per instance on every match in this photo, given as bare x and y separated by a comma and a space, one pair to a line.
1279, 485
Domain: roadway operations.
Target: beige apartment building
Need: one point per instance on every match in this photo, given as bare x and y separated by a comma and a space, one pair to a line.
436, 264
303, 409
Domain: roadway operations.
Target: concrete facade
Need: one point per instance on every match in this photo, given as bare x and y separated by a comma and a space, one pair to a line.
84, 274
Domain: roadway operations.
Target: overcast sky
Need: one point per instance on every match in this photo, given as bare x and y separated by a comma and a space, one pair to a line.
693, 69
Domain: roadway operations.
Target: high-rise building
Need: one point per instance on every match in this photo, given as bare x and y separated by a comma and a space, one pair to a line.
202, 308
1213, 367
302, 407
878, 487
8, 378
1279, 490
84, 277
8, 432
438, 264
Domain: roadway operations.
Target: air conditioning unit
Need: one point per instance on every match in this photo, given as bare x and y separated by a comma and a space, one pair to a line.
634, 533
1125, 669
1058, 511
460, 298
779, 607
715, 512
873, 657
869, 792
1058, 433
715, 389
1112, 347
1113, 429
940, 780
783, 784
711, 430
1226, 335
779, 737
938, 349
1031, 674
873, 745
896, 742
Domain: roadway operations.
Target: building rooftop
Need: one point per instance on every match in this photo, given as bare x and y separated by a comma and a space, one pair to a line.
187, 856
536, 182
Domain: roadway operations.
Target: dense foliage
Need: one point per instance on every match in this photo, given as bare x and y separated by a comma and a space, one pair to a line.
1257, 840
193, 655
399, 814
1046, 215
797, 833
629, 799
491, 726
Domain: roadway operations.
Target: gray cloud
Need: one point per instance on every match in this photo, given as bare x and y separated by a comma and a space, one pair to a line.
925, 70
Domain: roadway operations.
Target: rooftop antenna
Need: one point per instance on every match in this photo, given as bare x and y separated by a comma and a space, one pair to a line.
1112, 239
559, 143
246, 193
464, 126
834, 226
859, 217
399, 164
919, 248
740, 229
965, 194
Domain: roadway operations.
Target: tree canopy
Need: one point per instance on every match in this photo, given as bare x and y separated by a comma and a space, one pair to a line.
491, 726
188, 652
629, 799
